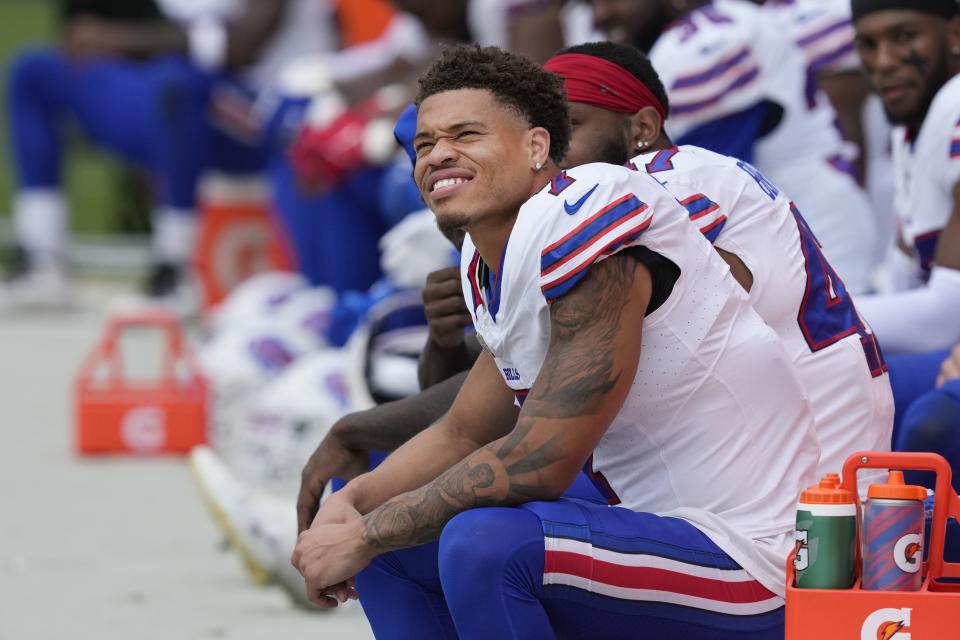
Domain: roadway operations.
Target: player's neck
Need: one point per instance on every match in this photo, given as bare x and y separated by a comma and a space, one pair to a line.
662, 142
490, 236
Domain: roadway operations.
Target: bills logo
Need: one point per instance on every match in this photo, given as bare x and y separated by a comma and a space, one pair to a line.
510, 373
906, 553
886, 624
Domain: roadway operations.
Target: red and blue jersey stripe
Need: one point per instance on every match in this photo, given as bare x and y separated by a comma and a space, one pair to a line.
704, 212
590, 240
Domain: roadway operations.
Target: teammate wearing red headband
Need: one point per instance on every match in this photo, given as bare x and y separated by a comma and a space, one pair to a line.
631, 350
738, 86
618, 108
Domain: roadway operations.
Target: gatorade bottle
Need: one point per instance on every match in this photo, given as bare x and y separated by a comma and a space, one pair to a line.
893, 535
826, 536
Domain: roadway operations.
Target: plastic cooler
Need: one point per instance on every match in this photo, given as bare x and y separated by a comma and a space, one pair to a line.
931, 613
114, 414
238, 235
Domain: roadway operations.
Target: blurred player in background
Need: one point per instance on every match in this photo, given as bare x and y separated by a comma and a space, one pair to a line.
911, 53
554, 316
823, 32
739, 88
618, 108
201, 89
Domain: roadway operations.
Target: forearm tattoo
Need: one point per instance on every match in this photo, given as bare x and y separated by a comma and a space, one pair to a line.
578, 371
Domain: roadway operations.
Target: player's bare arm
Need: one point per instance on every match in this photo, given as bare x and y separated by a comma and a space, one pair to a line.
344, 451
589, 367
483, 411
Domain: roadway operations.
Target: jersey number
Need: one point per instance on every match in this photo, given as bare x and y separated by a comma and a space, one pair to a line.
827, 314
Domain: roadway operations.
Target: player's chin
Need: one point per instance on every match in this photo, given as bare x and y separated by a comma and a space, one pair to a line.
451, 220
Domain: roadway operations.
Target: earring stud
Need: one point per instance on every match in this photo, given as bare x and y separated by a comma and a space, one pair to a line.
538, 166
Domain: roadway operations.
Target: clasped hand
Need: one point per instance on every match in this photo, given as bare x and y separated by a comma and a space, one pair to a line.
331, 553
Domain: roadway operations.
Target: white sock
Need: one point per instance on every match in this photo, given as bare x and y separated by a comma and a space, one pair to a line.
40, 225
174, 235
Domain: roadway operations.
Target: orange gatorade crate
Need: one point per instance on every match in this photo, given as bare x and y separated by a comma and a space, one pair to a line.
239, 236
932, 613
116, 415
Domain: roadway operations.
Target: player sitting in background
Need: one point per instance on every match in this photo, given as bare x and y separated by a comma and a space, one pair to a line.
198, 91
911, 52
618, 107
739, 87
620, 330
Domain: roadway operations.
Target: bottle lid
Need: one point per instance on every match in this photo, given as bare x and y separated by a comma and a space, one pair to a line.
827, 491
896, 489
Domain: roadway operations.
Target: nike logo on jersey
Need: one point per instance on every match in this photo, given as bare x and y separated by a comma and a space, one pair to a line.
571, 209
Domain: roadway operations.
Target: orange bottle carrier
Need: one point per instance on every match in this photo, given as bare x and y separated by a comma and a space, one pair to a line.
932, 613
114, 414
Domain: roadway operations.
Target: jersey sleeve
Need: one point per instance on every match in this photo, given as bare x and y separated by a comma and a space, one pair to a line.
585, 223
710, 69
824, 33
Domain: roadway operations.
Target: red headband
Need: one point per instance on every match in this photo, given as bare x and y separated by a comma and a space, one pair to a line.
602, 83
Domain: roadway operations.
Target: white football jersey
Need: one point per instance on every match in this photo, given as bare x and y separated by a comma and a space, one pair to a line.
715, 395
730, 55
822, 30
927, 170
795, 291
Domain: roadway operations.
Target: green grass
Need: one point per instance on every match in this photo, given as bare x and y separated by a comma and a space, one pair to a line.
95, 181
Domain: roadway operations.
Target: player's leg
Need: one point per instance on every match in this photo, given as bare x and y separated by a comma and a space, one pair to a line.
932, 423
402, 596
335, 233
606, 569
911, 376
150, 113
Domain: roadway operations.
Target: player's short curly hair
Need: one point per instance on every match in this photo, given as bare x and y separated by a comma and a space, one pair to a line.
536, 94
629, 58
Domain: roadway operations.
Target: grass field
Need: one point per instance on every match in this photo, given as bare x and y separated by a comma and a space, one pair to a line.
98, 185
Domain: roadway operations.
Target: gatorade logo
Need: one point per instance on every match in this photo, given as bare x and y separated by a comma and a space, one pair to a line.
886, 624
144, 429
801, 559
906, 553
242, 250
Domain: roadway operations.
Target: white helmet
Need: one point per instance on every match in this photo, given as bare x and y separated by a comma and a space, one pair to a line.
384, 350
285, 420
413, 249
257, 296
239, 361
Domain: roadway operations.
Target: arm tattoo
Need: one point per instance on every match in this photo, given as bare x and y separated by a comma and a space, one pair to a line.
578, 371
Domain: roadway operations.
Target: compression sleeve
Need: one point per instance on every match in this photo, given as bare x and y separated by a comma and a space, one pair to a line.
922, 319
